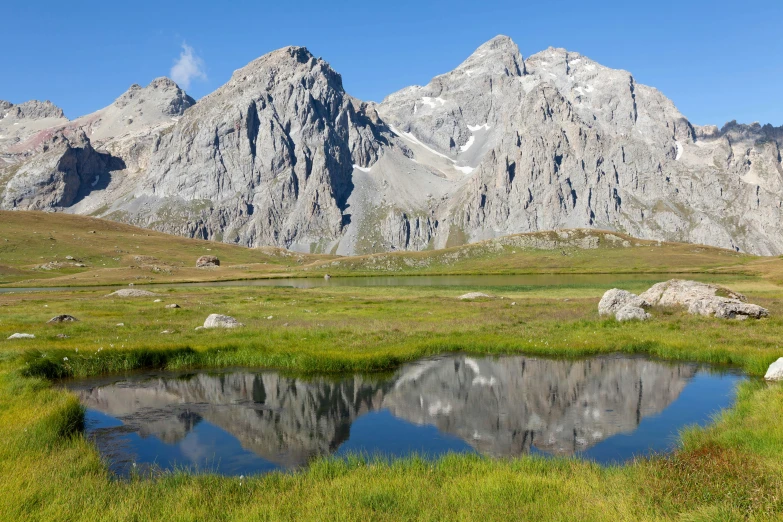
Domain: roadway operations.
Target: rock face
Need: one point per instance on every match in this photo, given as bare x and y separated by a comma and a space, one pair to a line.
775, 372
703, 299
207, 261
281, 155
221, 321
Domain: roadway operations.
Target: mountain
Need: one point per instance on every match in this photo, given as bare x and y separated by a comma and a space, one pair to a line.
282, 155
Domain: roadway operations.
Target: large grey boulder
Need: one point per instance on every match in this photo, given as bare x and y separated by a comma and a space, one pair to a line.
615, 299
703, 299
775, 372
631, 313
221, 321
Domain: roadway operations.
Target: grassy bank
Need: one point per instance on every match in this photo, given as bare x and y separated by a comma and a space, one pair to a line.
731, 470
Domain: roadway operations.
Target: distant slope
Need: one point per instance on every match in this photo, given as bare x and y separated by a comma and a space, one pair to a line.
35, 248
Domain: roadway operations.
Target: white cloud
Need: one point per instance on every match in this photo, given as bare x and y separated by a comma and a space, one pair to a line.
188, 67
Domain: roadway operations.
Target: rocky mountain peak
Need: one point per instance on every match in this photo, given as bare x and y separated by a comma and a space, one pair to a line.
33, 110
161, 96
283, 66
500, 55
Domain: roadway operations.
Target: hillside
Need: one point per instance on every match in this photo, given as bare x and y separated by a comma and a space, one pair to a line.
35, 248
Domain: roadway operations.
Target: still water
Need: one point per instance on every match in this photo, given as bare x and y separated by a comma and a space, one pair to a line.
607, 409
481, 281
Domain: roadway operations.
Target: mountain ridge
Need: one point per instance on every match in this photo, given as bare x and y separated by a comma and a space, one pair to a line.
281, 155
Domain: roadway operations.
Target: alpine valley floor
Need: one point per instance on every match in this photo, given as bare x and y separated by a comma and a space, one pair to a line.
733, 469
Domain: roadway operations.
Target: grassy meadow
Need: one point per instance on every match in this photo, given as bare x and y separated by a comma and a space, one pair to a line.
731, 470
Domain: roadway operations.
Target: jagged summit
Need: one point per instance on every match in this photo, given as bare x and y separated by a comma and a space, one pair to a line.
499, 55
33, 110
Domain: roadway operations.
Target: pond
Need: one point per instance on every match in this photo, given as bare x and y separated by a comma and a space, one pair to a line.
481, 281
239, 422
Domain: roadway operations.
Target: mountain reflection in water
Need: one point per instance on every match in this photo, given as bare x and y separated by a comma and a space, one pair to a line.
503, 407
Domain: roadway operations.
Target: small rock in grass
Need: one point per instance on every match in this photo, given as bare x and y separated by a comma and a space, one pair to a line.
128, 292
199, 328
207, 261
221, 321
120, 324
22, 336
327, 277
61, 336
514, 303
172, 305
475, 295
158, 301
62, 319
167, 332
775, 372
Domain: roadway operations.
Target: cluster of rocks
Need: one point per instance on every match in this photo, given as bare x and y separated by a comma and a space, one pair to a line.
699, 298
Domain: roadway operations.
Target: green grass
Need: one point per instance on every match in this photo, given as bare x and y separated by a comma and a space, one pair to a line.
730, 470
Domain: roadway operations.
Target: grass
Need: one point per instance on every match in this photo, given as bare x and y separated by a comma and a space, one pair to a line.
730, 470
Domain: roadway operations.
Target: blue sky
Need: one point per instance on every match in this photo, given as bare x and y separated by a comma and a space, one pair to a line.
718, 60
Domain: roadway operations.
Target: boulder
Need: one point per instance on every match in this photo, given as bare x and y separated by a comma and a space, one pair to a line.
129, 292
62, 319
475, 295
615, 299
207, 261
703, 299
221, 321
21, 336
631, 313
775, 372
